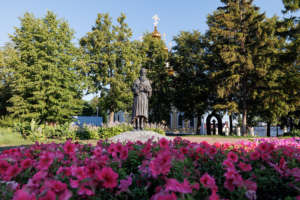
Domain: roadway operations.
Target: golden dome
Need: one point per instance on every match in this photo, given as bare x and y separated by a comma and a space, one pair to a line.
155, 33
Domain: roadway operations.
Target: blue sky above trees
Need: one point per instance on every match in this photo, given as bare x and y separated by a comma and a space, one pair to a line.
175, 15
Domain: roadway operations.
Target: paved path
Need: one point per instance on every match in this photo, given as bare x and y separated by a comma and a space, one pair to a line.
212, 140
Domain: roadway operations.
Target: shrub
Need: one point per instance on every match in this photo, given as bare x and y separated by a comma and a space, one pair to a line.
7, 121
165, 169
111, 130
293, 133
87, 132
41, 132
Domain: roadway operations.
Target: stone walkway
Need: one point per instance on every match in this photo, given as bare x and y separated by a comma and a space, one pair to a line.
212, 140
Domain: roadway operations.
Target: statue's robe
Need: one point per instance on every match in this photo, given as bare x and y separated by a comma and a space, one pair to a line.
142, 91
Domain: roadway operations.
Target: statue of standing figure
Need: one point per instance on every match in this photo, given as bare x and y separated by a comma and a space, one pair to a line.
142, 91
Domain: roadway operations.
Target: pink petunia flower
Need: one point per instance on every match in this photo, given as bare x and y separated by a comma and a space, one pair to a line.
26, 163
208, 181
164, 196
46, 159
245, 167
69, 147
161, 164
254, 155
4, 165
232, 156
228, 164
12, 171
108, 177
163, 143
174, 186
214, 196
124, 184
48, 196
23, 195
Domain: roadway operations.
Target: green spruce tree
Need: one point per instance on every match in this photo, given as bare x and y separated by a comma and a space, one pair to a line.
46, 83
239, 47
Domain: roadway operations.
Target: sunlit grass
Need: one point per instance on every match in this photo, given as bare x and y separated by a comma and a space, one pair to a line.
10, 138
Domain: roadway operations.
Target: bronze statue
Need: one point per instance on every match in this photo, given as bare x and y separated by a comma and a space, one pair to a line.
142, 91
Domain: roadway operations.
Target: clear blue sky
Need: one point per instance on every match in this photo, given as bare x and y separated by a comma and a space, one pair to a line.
175, 15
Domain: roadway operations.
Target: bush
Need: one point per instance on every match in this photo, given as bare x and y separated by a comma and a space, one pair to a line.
157, 127
293, 133
7, 121
41, 132
87, 132
176, 169
111, 130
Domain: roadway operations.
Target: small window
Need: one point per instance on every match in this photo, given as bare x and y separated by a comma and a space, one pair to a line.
192, 122
180, 118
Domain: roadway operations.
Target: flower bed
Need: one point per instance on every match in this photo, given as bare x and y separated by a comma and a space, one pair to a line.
175, 169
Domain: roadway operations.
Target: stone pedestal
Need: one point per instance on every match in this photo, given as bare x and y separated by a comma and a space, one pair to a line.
226, 131
285, 130
251, 131
238, 131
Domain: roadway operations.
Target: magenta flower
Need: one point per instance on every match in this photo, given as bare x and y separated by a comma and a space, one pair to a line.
124, 153
254, 155
164, 196
4, 165
12, 171
232, 156
26, 163
163, 143
208, 181
46, 159
48, 196
124, 184
23, 195
161, 164
245, 167
69, 147
174, 186
108, 177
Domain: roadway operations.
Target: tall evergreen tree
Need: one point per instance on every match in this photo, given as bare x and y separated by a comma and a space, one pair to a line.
46, 82
272, 96
155, 55
289, 30
113, 62
191, 84
239, 45
8, 60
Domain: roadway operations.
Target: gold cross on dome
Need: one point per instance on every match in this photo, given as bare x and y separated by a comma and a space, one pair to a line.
156, 19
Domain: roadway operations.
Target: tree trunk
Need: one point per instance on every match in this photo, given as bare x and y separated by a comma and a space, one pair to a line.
198, 129
230, 124
111, 117
269, 129
244, 122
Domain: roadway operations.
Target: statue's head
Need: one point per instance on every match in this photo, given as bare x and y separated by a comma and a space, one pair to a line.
143, 72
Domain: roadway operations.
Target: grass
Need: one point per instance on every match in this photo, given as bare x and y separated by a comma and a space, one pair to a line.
8, 137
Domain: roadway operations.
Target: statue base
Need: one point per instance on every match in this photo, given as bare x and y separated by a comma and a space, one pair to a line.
137, 135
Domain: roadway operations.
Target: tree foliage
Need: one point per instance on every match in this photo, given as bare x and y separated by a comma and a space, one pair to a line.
46, 83
191, 83
113, 62
154, 55
241, 48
